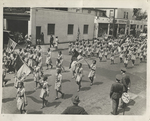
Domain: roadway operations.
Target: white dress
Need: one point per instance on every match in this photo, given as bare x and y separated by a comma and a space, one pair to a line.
93, 69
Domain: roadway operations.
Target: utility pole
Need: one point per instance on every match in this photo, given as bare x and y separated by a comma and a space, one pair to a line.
114, 23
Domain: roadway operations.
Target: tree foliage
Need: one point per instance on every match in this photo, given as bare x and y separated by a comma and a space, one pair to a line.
138, 14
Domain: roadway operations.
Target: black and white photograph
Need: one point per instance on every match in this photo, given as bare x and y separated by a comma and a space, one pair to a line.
74, 60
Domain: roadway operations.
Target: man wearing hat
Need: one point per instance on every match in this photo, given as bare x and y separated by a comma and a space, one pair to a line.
75, 109
126, 83
125, 80
115, 94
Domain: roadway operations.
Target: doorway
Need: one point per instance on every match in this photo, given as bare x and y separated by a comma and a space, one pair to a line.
38, 32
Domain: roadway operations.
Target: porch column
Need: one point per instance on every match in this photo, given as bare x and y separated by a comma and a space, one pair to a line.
5, 24
108, 29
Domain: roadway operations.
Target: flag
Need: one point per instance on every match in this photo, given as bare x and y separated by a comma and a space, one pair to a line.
11, 43
22, 69
78, 34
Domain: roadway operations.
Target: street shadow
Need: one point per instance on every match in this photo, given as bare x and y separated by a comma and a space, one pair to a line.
113, 63
85, 81
85, 88
129, 67
47, 75
29, 92
5, 100
56, 104
136, 64
123, 110
132, 102
67, 96
35, 100
98, 83
65, 80
28, 80
49, 85
65, 71
10, 85
35, 112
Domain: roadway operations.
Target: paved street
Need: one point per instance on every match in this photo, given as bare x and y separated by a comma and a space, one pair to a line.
94, 99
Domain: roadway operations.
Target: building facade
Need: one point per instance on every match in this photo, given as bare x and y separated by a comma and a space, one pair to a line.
124, 23
66, 23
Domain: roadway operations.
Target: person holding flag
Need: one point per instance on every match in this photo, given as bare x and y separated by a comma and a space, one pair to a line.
92, 72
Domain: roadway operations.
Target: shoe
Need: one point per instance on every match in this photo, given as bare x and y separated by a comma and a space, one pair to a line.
35, 89
78, 90
62, 95
42, 107
56, 98
25, 112
46, 102
91, 84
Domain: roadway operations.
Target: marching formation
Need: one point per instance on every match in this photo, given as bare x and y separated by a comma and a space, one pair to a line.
127, 49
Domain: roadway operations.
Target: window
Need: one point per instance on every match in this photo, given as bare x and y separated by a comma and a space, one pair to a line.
124, 14
141, 26
137, 26
85, 29
111, 13
51, 29
70, 28
127, 15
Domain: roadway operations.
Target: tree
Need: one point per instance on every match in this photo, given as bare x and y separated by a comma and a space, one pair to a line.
139, 15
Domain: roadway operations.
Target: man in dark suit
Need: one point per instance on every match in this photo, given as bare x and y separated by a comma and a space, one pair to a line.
75, 109
126, 84
115, 94
51, 41
125, 80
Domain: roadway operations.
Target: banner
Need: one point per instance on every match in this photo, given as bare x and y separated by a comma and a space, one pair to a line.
10, 44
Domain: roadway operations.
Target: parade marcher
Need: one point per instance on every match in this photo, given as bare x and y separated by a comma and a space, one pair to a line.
48, 58
60, 57
112, 58
92, 72
44, 91
58, 84
30, 56
51, 41
37, 75
56, 42
133, 57
21, 98
116, 93
79, 75
74, 56
39, 60
126, 83
75, 109
73, 67
58, 65
126, 61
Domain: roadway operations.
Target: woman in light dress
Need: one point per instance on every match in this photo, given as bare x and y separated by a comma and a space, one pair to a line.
37, 75
58, 84
92, 72
79, 75
48, 59
44, 92
21, 98
60, 57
